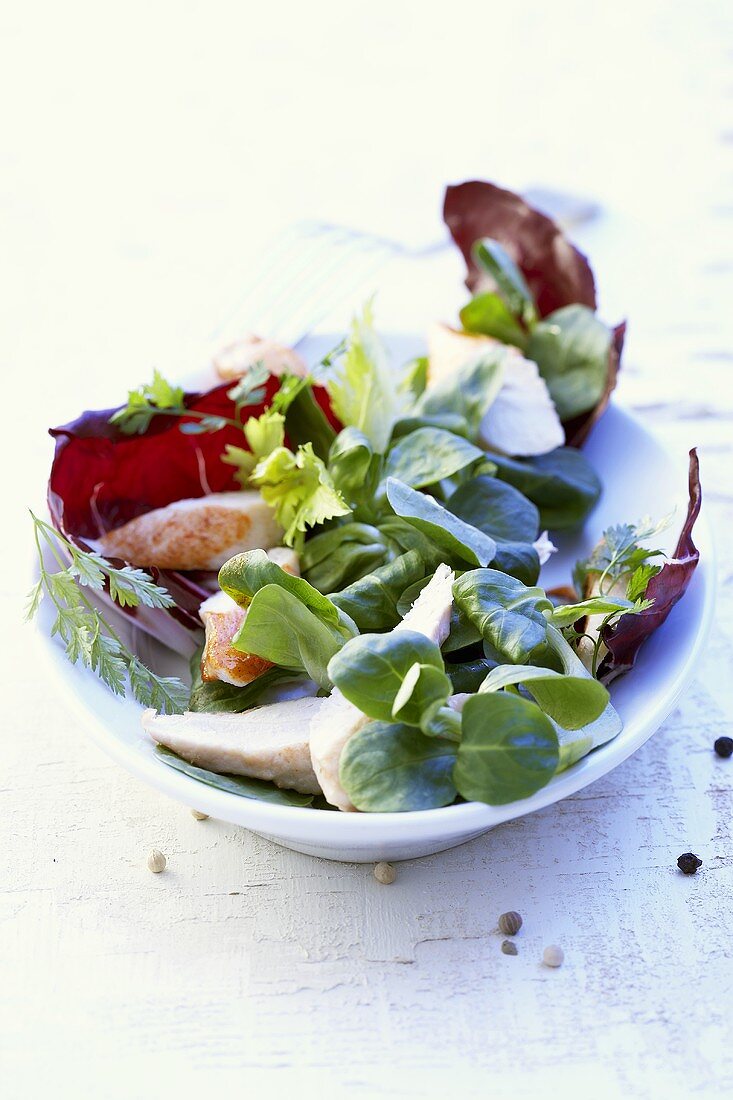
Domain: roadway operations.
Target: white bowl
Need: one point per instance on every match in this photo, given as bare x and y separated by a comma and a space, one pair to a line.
639, 478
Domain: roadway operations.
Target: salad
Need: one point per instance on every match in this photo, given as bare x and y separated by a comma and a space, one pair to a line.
350, 552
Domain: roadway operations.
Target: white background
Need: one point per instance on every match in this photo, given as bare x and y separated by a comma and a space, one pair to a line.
147, 153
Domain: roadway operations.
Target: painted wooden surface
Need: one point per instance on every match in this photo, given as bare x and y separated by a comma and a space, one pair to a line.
138, 176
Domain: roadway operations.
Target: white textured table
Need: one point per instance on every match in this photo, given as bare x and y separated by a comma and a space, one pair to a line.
147, 155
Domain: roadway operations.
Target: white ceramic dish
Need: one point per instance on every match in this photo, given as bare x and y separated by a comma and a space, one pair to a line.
639, 478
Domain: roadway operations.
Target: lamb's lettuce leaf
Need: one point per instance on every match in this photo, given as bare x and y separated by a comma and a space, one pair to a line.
245, 574
572, 701
428, 455
508, 750
491, 257
503, 513
281, 629
488, 315
396, 676
372, 601
392, 767
458, 541
571, 348
469, 392
507, 614
561, 483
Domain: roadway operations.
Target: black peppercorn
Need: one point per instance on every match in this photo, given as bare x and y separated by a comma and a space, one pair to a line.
688, 863
724, 747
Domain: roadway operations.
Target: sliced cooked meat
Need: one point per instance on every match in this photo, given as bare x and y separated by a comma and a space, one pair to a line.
201, 533
236, 359
270, 742
430, 613
522, 420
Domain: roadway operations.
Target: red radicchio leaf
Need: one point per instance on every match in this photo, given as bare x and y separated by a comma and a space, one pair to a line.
102, 478
556, 272
624, 640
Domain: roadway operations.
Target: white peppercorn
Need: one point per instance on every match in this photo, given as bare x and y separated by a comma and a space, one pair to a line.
385, 873
509, 948
156, 861
553, 956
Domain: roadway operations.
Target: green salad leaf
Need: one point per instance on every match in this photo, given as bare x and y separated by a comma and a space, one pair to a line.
363, 389
493, 258
489, 315
428, 455
392, 767
507, 614
393, 676
469, 392
561, 483
572, 701
571, 348
372, 601
281, 629
218, 697
459, 541
245, 574
508, 750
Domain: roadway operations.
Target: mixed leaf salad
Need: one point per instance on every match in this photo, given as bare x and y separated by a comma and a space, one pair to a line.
350, 552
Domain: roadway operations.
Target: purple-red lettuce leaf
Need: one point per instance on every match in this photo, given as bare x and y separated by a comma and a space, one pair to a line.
624, 639
101, 478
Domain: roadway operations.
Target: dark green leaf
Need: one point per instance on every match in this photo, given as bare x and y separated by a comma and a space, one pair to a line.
497, 509
468, 676
216, 697
372, 600
469, 392
489, 315
507, 614
391, 768
387, 676
458, 540
561, 483
235, 784
428, 455
572, 701
245, 574
508, 750
571, 348
494, 259
306, 422
281, 629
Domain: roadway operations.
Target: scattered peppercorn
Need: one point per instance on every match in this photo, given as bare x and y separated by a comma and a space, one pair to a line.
724, 747
688, 863
199, 816
385, 873
156, 861
509, 948
553, 956
510, 923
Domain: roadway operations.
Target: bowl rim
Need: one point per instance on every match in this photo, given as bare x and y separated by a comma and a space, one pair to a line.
80, 688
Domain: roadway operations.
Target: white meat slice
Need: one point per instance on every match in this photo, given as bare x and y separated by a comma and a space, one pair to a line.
522, 419
430, 613
269, 742
201, 533
236, 359
338, 721
330, 728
